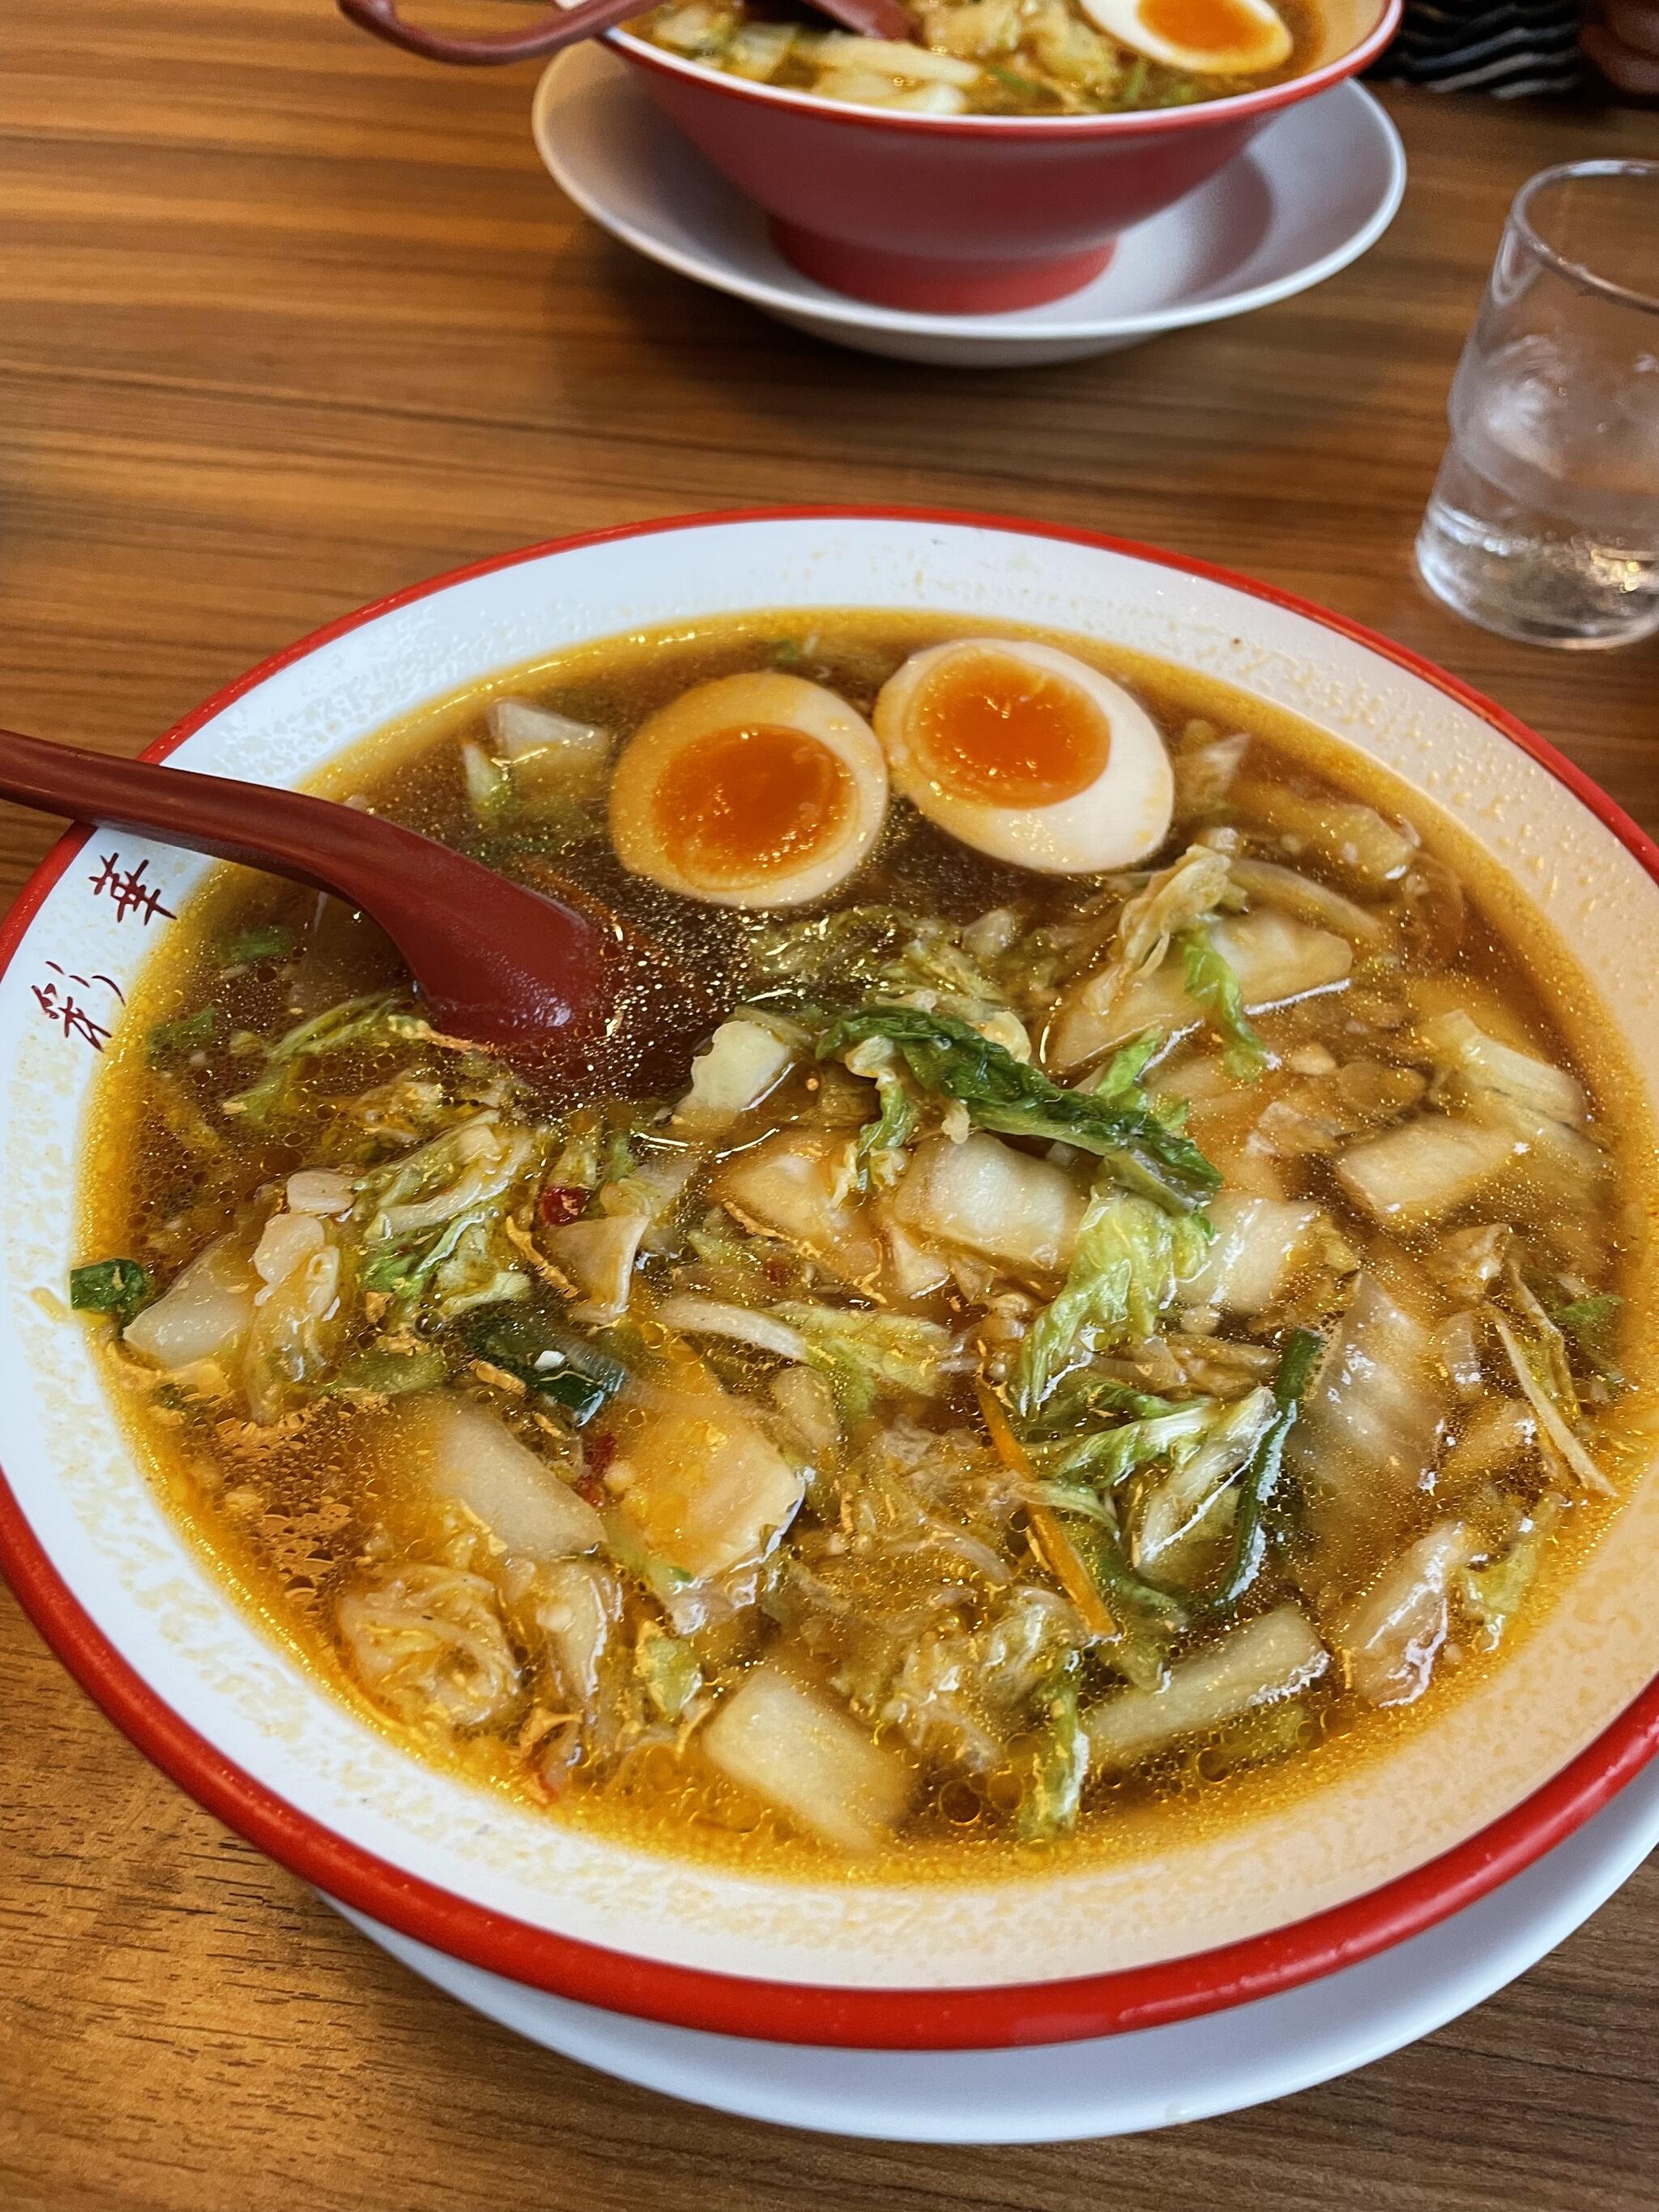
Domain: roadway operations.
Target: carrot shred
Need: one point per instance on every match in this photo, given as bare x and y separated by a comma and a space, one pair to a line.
1056, 1546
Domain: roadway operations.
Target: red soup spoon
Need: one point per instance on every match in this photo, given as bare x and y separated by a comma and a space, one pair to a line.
874, 19
555, 983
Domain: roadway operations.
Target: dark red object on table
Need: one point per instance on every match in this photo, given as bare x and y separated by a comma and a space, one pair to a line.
566, 26
536, 977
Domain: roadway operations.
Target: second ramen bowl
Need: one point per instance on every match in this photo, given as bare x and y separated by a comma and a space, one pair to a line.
971, 215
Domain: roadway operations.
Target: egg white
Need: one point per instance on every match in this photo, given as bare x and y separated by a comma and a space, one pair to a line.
730, 703
1119, 818
1264, 46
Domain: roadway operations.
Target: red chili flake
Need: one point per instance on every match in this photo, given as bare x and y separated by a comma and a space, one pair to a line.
563, 1201
777, 1271
598, 1452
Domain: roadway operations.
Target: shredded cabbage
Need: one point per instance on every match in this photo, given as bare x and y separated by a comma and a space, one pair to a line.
1053, 1795
375, 1018
1013, 1098
865, 1351
1106, 1456
1211, 980
1495, 1592
1131, 1259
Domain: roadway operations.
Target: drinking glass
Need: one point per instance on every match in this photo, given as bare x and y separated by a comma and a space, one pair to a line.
1544, 520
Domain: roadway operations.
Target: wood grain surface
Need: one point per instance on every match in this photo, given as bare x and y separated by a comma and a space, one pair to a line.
288, 320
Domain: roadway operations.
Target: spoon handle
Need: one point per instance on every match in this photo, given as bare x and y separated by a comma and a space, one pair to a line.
588, 19
544, 36
284, 832
494, 959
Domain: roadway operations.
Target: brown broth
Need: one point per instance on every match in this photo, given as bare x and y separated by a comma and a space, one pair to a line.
283, 1512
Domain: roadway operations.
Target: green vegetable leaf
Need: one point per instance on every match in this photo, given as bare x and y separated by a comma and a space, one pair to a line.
601, 1146
1183, 1516
120, 1287
1009, 1095
1106, 1456
1495, 1593
1098, 1547
1591, 1323
389, 1374
401, 1266
1119, 1082
579, 1165
1297, 1363
370, 1019
865, 950
1258, 1739
173, 1039
1083, 1396
265, 940
617, 1156
577, 1376
848, 948
1211, 980
660, 1576
667, 1666
735, 1265
1049, 1804
1131, 1258
1029, 89
865, 1351
895, 1124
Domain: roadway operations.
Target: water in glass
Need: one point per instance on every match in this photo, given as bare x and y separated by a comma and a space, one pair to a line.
1544, 520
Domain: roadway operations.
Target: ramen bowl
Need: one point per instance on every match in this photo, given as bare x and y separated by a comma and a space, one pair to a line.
975, 214
1208, 1917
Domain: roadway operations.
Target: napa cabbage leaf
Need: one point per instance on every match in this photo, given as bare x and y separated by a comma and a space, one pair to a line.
1131, 1258
1211, 980
1013, 1098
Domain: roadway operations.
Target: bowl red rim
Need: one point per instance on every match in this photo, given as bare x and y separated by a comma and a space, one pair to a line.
685, 1996
1137, 122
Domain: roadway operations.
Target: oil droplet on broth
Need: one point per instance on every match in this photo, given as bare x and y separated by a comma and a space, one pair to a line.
993, 728
741, 803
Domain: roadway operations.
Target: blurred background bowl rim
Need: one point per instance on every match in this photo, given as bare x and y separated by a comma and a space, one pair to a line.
1130, 123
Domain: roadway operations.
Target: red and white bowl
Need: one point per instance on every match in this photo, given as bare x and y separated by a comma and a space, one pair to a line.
969, 214
1491, 1778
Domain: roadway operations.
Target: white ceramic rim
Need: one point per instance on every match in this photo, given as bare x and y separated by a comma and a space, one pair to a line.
1155, 2077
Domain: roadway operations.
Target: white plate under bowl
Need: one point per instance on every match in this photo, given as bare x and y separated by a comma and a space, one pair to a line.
1308, 195
1114, 2084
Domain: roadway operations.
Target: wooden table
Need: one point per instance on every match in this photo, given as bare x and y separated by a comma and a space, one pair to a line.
287, 320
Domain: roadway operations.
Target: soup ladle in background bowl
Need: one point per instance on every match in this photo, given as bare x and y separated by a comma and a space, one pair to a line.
589, 19
554, 983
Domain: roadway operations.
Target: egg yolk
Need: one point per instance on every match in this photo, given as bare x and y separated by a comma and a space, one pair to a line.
990, 727
1203, 26
750, 802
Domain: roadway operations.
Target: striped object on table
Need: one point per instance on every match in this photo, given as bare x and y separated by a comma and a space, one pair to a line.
1510, 48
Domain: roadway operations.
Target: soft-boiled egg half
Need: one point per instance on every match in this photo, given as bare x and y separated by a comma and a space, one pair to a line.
1210, 38
753, 791
1028, 754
